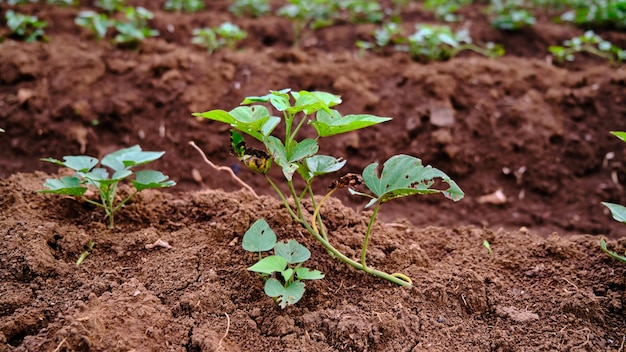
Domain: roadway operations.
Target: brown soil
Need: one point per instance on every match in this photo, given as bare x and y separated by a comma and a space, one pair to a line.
547, 125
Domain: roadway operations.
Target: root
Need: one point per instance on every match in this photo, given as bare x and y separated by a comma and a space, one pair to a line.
223, 168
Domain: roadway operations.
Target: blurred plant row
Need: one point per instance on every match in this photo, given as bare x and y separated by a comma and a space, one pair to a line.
429, 42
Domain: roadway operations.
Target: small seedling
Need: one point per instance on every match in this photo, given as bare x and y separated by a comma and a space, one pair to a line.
85, 253
389, 33
97, 23
253, 8
30, 28
617, 211
509, 15
487, 245
184, 5
87, 175
401, 176
111, 5
226, 35
135, 28
440, 43
597, 13
360, 11
591, 43
312, 14
445, 10
614, 255
288, 287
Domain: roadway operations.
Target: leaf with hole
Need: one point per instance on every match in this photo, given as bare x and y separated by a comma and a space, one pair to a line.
286, 295
259, 237
404, 175
292, 251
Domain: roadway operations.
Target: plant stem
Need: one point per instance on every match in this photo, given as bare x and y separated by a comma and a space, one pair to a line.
282, 197
367, 237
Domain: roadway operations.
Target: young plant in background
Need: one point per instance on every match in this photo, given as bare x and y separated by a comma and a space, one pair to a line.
617, 211
588, 42
440, 43
184, 5
226, 35
30, 28
88, 175
445, 10
253, 8
312, 14
402, 175
96, 23
389, 33
111, 6
361, 11
287, 260
606, 13
510, 14
135, 28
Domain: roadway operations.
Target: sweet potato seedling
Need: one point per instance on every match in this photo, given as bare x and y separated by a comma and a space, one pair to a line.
88, 175
288, 287
30, 28
401, 175
591, 43
617, 211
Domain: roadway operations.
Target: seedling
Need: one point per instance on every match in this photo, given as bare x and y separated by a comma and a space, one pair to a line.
87, 175
487, 245
184, 5
361, 11
313, 14
111, 5
389, 33
85, 253
226, 35
617, 211
254, 8
401, 176
591, 43
445, 9
135, 29
509, 15
24, 26
288, 287
440, 43
597, 13
97, 23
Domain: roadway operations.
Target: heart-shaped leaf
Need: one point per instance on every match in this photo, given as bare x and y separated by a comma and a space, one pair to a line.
319, 165
331, 124
65, 185
269, 265
292, 251
259, 237
129, 157
618, 211
404, 175
146, 179
286, 295
308, 274
80, 163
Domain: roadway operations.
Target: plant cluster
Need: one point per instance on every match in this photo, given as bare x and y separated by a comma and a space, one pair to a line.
596, 13
184, 5
225, 35
88, 175
284, 265
30, 28
132, 30
446, 10
510, 14
591, 43
401, 175
253, 8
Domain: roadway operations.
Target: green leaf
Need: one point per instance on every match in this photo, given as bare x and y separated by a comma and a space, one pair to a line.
331, 124
253, 120
292, 251
287, 274
279, 99
146, 179
259, 237
310, 102
269, 265
620, 135
288, 162
286, 295
618, 211
308, 274
129, 157
319, 165
65, 185
404, 175
80, 163
610, 253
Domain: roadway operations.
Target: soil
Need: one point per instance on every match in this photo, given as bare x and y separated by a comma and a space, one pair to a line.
522, 125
